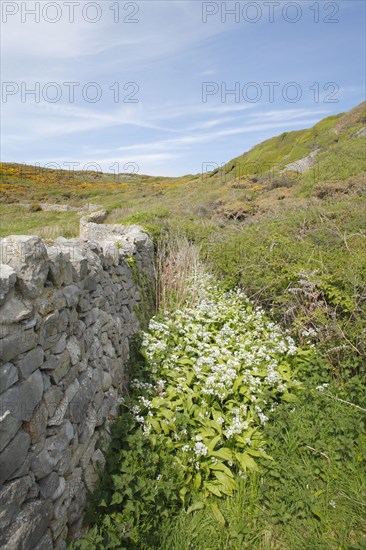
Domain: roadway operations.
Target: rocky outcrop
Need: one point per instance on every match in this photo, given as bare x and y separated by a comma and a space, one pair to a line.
302, 165
67, 314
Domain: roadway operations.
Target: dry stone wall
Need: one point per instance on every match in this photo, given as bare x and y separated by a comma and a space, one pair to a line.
68, 312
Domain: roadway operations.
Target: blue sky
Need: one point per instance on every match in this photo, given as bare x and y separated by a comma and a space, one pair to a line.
173, 52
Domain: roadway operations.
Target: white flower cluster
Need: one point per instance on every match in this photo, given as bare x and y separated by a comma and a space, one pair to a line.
239, 423
322, 387
222, 351
223, 341
200, 449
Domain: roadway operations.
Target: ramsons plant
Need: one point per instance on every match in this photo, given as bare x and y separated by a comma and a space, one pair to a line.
219, 368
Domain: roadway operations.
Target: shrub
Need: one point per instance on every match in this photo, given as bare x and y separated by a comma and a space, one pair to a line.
35, 207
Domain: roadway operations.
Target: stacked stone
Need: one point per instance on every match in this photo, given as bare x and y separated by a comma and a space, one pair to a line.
67, 314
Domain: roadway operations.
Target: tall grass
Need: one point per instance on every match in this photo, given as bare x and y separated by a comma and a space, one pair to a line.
180, 272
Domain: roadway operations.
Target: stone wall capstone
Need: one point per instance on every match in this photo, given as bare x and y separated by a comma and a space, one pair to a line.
68, 312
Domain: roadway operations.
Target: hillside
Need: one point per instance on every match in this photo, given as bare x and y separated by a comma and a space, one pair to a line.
327, 160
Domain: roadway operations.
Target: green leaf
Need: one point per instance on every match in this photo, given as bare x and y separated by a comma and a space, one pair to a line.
223, 453
238, 382
225, 490
221, 467
168, 414
262, 454
217, 513
228, 482
165, 428
289, 397
185, 361
212, 444
213, 488
206, 433
197, 481
156, 402
116, 498
155, 424
182, 493
246, 462
189, 378
195, 506
316, 513
216, 425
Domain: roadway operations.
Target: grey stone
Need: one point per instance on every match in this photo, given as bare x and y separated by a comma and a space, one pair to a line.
9, 426
70, 377
14, 341
80, 402
74, 350
64, 466
51, 303
91, 476
77, 253
45, 543
65, 318
24, 469
31, 323
90, 283
22, 399
12, 496
60, 346
77, 506
98, 400
60, 266
60, 487
78, 321
30, 362
59, 300
78, 329
33, 491
57, 527
29, 527
48, 485
8, 376
87, 426
72, 485
51, 331
60, 543
62, 369
92, 316
13, 456
28, 257
8, 279
46, 381
72, 295
53, 450
51, 363
60, 412
36, 427
15, 310
52, 399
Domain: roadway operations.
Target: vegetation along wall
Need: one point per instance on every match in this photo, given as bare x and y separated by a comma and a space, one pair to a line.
68, 312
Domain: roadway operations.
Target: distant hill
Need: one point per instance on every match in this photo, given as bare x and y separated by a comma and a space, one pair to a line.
325, 160
331, 144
